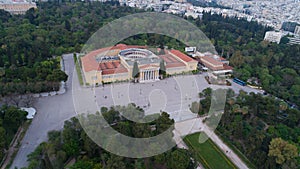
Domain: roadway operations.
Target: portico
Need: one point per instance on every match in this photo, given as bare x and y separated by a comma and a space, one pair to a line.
147, 75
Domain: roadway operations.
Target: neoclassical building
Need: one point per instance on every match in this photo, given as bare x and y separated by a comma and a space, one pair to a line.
116, 63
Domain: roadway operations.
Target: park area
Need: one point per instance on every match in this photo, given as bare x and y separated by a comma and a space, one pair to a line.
208, 154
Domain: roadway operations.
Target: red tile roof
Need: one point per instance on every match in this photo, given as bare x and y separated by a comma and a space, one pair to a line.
109, 65
171, 61
223, 59
112, 67
90, 63
214, 64
181, 55
211, 60
227, 67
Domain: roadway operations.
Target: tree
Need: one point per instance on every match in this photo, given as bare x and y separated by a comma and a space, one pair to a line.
196, 107
135, 70
111, 116
283, 106
67, 25
71, 135
163, 122
282, 151
207, 92
2, 142
245, 110
83, 164
237, 59
162, 68
230, 93
13, 118
115, 162
30, 15
230, 101
178, 159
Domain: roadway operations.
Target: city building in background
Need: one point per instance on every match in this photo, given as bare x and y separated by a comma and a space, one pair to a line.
297, 30
17, 7
273, 36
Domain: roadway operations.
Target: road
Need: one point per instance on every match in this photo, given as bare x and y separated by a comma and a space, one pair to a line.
173, 95
51, 114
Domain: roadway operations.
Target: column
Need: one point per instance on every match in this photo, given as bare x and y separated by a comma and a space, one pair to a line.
146, 78
153, 75
140, 78
143, 75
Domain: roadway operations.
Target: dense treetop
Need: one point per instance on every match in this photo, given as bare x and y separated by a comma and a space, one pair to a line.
56, 28
29, 42
10, 120
263, 128
73, 148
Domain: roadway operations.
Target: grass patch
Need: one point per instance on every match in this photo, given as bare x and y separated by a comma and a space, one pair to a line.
236, 151
208, 154
78, 70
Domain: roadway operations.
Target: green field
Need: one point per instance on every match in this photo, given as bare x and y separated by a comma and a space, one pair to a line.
208, 154
78, 70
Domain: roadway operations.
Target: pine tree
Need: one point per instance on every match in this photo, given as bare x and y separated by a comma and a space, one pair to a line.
135, 70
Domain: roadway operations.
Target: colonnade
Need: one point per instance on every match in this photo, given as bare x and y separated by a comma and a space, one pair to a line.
149, 75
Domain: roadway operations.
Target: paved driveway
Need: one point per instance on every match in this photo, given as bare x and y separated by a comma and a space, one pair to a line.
51, 114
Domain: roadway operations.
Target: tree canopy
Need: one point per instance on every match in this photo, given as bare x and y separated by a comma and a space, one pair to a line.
11, 118
263, 128
72, 143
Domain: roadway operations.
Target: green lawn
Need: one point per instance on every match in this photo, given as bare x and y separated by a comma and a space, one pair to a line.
208, 154
78, 70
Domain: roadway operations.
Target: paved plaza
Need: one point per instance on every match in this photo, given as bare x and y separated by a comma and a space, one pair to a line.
173, 95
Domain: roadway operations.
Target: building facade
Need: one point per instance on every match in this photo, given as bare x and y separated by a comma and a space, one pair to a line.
297, 30
17, 8
294, 40
117, 63
216, 64
273, 36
